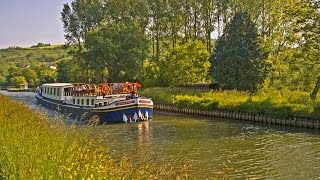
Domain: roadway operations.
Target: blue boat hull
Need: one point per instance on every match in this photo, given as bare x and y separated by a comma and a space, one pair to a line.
128, 114
133, 113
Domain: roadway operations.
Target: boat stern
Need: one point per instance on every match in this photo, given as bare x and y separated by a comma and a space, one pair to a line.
129, 110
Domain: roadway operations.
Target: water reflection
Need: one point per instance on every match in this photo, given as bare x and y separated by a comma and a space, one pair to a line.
214, 148
144, 132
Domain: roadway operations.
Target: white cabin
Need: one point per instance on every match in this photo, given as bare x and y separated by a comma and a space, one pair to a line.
63, 92
56, 91
23, 86
83, 95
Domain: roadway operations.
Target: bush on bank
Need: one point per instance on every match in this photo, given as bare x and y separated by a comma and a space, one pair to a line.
280, 103
32, 147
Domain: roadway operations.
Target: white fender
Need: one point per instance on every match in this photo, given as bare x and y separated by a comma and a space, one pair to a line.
125, 119
135, 117
147, 115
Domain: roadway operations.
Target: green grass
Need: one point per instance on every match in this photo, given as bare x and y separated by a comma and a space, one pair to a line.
33, 147
277, 103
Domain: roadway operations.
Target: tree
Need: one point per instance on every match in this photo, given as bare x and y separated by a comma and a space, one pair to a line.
70, 71
307, 16
121, 48
13, 72
187, 63
15, 81
80, 17
2, 80
237, 61
30, 76
45, 74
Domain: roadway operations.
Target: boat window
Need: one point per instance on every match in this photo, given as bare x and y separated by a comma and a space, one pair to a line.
88, 102
92, 101
50, 91
78, 101
54, 91
74, 101
58, 91
82, 101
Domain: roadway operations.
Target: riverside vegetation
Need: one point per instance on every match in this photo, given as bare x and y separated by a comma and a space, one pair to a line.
34, 147
242, 45
279, 103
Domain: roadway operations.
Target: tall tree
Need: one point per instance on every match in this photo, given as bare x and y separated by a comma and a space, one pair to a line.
307, 16
237, 62
187, 63
208, 18
80, 17
119, 48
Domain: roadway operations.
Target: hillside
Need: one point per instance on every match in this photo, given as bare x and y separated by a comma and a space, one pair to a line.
16, 59
49, 54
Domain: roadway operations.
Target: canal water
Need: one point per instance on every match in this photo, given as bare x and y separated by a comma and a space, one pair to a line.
212, 147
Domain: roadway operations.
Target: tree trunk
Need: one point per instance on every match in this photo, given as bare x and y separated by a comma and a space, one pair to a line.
173, 36
314, 93
195, 23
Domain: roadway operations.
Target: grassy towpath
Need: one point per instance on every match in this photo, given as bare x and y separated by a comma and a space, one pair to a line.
34, 147
279, 103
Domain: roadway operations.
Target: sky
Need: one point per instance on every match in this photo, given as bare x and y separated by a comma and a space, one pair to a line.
25, 23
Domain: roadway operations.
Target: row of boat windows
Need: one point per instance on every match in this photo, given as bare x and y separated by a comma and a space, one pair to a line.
82, 102
52, 91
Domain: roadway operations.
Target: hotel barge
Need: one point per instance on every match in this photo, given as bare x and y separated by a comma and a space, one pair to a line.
110, 102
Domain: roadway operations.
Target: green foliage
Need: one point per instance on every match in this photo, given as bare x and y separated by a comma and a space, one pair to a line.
70, 71
316, 109
15, 81
151, 73
31, 76
279, 103
2, 79
203, 103
34, 147
287, 31
80, 17
237, 62
120, 48
30, 63
187, 63
13, 72
40, 45
306, 16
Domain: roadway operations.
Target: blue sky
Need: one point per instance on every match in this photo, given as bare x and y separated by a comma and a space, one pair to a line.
27, 22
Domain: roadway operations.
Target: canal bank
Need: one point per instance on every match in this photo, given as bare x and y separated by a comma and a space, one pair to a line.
293, 121
280, 107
